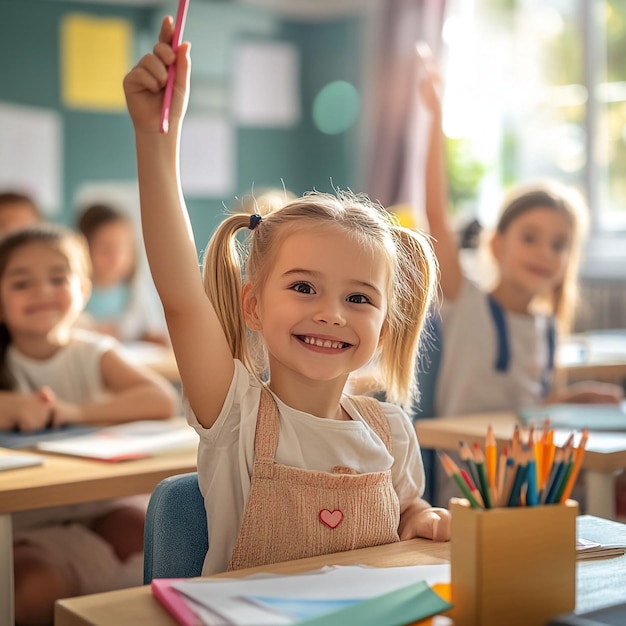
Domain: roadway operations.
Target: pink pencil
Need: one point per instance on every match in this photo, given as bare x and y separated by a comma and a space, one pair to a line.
179, 26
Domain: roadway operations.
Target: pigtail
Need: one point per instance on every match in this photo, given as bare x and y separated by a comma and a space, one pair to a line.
223, 283
415, 282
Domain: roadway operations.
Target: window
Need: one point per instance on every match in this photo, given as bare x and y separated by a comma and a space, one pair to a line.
537, 88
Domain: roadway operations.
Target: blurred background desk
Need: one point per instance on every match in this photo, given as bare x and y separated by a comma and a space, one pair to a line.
69, 480
596, 355
158, 358
605, 451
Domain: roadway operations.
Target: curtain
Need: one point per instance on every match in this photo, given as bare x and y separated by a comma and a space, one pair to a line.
397, 140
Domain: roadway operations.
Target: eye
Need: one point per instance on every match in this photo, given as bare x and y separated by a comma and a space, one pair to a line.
58, 280
358, 298
302, 287
20, 284
529, 238
559, 246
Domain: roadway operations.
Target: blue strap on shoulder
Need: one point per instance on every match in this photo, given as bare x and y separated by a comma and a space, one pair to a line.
502, 358
545, 382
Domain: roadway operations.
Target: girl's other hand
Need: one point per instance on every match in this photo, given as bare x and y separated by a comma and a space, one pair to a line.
430, 523
144, 85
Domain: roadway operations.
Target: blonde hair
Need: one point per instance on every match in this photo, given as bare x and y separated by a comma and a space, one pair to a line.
566, 200
229, 261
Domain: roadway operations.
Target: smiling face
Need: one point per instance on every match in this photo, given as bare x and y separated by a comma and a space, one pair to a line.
533, 251
322, 308
39, 292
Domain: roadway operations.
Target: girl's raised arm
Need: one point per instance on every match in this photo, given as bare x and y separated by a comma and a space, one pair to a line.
202, 353
444, 240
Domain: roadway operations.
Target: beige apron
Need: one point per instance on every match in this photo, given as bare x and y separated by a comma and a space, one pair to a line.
294, 513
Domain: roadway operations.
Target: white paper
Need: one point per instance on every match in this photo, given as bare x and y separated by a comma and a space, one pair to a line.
207, 156
266, 88
31, 154
16, 461
228, 598
140, 438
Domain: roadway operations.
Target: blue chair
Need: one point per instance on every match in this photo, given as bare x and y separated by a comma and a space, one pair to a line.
175, 536
427, 371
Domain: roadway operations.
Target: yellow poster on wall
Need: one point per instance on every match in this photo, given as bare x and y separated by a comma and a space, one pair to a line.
95, 56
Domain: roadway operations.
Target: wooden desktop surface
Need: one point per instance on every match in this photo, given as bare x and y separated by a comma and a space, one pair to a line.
138, 607
71, 480
598, 583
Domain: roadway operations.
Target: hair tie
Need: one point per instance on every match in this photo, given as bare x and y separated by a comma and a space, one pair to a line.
255, 220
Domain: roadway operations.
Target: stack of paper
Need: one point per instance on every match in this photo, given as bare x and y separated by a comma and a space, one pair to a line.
127, 441
332, 596
587, 550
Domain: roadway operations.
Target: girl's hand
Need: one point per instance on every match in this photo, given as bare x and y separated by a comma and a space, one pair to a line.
429, 523
144, 85
34, 410
66, 413
430, 83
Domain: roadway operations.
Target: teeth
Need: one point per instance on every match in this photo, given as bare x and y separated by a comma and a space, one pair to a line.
323, 343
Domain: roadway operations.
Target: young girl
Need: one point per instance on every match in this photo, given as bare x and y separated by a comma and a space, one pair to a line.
514, 327
51, 375
123, 301
292, 467
498, 347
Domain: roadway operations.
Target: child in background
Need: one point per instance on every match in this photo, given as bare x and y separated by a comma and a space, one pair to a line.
50, 375
329, 283
498, 347
16, 210
123, 303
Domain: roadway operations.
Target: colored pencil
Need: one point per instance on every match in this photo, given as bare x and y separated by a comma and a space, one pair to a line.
483, 487
578, 459
453, 471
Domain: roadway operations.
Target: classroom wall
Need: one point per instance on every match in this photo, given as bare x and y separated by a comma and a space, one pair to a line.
98, 145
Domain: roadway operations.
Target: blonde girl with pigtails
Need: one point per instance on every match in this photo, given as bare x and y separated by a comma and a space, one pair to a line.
290, 304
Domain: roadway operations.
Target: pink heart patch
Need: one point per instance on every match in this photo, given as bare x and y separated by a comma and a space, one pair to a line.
332, 519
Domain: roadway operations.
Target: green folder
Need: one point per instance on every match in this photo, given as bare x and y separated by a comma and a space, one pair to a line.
396, 608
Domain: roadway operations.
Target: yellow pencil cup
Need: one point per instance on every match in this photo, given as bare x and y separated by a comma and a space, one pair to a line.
512, 566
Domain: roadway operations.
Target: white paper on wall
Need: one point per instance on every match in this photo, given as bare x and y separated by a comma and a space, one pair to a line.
266, 84
207, 156
31, 154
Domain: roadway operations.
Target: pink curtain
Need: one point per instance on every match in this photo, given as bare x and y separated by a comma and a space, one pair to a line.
396, 145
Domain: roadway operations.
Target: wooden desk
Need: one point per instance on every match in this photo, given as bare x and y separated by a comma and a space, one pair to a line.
66, 480
604, 457
598, 583
136, 606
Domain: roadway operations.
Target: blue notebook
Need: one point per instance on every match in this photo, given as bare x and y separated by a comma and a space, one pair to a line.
16, 440
607, 417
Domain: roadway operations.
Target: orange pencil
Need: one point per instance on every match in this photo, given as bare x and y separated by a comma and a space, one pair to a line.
578, 459
549, 450
491, 457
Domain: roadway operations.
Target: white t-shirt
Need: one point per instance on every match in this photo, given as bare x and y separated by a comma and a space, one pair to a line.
468, 381
226, 456
73, 373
